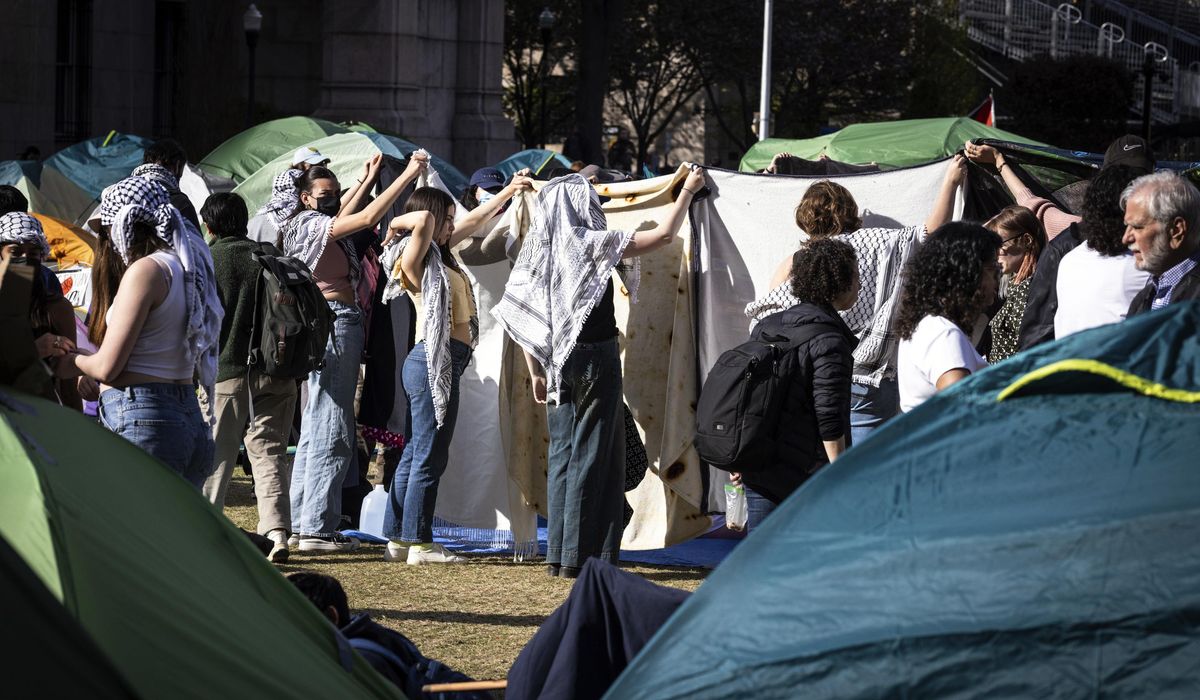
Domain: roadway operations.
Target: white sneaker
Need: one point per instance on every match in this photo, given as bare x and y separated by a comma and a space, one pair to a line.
395, 551
293, 540
279, 553
437, 554
337, 542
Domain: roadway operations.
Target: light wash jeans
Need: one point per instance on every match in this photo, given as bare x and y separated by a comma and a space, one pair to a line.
586, 479
871, 407
327, 439
164, 420
409, 515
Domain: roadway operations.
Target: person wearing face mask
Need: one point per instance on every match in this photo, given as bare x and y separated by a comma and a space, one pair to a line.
485, 184
320, 237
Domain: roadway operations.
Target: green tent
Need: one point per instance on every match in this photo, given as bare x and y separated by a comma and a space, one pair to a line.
176, 597
244, 153
889, 144
1028, 533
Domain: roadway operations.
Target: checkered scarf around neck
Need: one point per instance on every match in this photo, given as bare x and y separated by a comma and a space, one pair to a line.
158, 173
435, 300
142, 200
19, 228
284, 197
305, 236
564, 266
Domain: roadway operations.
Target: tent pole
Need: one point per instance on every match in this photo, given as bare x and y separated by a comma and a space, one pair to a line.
764, 99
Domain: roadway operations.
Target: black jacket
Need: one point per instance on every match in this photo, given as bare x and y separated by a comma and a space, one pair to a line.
817, 407
1038, 324
1187, 288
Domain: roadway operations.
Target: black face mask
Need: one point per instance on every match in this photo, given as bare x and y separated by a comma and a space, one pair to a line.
23, 260
328, 205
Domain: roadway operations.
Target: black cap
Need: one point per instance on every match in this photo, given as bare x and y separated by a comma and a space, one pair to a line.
1132, 151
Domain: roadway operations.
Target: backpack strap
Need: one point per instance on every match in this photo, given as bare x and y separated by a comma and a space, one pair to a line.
369, 645
792, 337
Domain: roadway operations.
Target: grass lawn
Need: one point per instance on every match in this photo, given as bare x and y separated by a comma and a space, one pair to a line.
475, 617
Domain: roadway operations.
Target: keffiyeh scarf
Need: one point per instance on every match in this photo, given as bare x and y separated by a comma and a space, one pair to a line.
565, 263
305, 236
435, 298
19, 228
158, 173
142, 200
284, 197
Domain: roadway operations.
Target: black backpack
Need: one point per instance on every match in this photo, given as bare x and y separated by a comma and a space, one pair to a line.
737, 417
292, 320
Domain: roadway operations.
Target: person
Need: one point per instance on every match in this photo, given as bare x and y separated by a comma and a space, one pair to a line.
243, 395
306, 158
51, 318
1022, 240
155, 319
163, 161
828, 209
485, 183
317, 232
447, 328
558, 306
621, 153
816, 411
1162, 229
389, 652
1098, 280
949, 282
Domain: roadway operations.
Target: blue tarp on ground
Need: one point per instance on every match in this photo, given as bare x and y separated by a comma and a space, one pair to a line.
1043, 545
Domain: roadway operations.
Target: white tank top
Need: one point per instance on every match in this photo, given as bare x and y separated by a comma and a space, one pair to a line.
160, 350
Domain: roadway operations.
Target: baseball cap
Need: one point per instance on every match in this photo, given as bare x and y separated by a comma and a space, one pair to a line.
1132, 151
487, 178
310, 155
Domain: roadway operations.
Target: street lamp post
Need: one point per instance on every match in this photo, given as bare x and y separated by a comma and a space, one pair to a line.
252, 24
546, 24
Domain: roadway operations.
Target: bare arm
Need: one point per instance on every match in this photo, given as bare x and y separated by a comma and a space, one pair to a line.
834, 448
346, 224
951, 376
645, 241
483, 213
142, 287
782, 272
412, 262
943, 206
537, 377
353, 197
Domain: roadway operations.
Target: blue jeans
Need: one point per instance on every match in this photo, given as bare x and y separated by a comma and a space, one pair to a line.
586, 479
758, 507
326, 450
871, 407
411, 500
164, 420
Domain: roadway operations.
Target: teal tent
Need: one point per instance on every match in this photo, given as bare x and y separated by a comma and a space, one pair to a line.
538, 160
1030, 532
73, 178
892, 144
177, 599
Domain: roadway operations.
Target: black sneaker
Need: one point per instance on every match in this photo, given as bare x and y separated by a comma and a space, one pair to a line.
336, 542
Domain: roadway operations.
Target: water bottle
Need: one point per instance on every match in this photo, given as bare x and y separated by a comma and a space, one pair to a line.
373, 508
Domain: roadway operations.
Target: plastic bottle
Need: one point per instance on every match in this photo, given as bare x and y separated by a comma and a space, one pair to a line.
373, 507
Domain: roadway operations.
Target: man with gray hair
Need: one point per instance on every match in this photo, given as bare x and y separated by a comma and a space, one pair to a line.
1162, 228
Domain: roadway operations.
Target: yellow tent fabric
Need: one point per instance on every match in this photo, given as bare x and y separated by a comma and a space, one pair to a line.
70, 245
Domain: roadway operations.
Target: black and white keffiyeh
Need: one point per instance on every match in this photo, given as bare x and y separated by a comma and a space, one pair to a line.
566, 260
435, 300
305, 236
284, 197
158, 173
142, 200
19, 228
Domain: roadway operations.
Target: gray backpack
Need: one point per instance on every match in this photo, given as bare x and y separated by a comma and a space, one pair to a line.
292, 320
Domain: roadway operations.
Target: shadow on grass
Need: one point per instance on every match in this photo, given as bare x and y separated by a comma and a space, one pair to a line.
683, 574
458, 617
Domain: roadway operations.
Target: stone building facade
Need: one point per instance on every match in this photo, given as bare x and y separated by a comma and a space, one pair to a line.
428, 70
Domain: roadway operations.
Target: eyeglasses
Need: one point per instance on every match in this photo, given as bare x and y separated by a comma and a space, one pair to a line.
1005, 247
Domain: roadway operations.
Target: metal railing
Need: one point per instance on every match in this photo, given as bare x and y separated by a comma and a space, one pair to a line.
1023, 29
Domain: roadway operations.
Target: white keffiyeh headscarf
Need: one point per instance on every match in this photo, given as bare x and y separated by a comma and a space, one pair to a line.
284, 197
566, 260
19, 228
141, 200
158, 173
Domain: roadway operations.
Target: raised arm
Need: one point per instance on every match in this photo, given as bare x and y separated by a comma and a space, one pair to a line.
471, 223
645, 241
346, 224
353, 198
943, 206
1053, 218
412, 262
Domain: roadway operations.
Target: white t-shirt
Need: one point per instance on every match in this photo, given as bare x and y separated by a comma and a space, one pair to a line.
1094, 290
936, 347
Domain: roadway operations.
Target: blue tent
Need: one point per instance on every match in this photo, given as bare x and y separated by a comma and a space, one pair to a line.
12, 172
97, 163
536, 159
454, 179
1031, 532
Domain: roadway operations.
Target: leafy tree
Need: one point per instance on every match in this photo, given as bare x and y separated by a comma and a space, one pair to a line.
529, 80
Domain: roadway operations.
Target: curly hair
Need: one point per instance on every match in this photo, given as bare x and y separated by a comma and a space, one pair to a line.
944, 276
822, 270
827, 209
1103, 223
